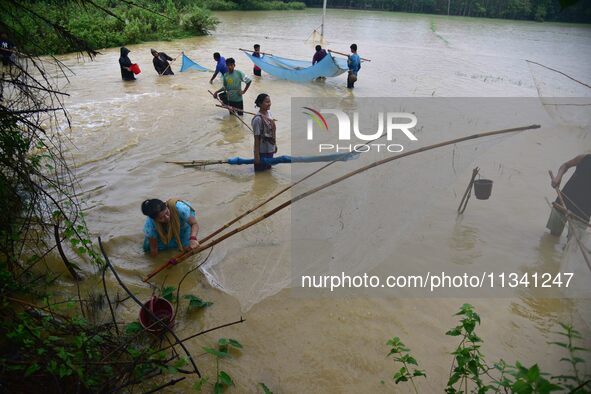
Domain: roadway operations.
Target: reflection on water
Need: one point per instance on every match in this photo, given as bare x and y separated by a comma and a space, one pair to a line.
465, 239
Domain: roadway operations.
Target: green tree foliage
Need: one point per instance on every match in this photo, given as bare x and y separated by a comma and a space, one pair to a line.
110, 24
539, 10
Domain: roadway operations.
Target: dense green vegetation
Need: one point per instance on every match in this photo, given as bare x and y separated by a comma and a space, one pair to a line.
114, 23
471, 373
539, 10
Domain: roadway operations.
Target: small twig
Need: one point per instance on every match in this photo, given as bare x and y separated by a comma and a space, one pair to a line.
171, 383
104, 269
178, 288
559, 72
206, 331
69, 266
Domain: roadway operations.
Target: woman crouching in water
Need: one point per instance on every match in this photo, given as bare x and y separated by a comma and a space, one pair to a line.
264, 128
169, 225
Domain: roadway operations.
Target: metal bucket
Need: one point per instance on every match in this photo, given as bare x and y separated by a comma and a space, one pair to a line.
482, 188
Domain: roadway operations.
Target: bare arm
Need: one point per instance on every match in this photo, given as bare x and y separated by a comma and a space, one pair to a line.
564, 168
153, 247
257, 149
215, 94
193, 243
245, 88
215, 74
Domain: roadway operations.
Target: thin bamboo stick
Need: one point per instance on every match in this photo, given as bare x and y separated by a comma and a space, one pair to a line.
197, 163
208, 245
169, 64
345, 54
226, 106
252, 50
232, 110
466, 197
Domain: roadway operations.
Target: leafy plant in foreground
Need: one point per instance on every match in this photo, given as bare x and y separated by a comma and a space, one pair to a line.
471, 374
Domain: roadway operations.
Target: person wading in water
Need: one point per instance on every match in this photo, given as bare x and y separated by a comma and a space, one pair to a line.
170, 225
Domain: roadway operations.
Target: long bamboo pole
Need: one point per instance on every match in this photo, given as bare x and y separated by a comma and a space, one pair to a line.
226, 106
209, 244
252, 50
197, 163
344, 54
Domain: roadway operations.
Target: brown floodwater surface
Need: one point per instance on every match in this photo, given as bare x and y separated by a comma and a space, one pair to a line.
123, 133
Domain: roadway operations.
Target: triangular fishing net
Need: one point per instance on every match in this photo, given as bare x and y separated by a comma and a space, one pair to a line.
189, 64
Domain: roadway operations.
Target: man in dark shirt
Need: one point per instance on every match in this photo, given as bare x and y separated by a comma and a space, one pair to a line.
125, 65
319, 55
577, 191
6, 50
161, 64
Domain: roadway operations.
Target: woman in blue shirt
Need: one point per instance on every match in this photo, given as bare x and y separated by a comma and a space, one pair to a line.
170, 225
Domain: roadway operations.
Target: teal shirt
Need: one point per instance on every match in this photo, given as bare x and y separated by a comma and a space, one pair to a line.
233, 84
185, 212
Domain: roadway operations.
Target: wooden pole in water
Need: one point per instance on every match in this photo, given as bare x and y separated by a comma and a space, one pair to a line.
211, 243
467, 194
322, 24
251, 50
344, 54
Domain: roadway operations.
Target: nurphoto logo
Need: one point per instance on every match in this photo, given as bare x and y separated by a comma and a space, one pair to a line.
394, 123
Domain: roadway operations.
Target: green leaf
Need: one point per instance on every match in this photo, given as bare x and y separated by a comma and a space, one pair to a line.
196, 302
265, 388
167, 293
235, 343
533, 374
225, 379
454, 332
408, 359
199, 384
216, 353
218, 388
132, 328
453, 379
32, 369
181, 362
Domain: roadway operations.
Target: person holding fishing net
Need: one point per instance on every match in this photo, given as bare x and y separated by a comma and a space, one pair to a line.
169, 225
576, 194
264, 131
231, 92
161, 62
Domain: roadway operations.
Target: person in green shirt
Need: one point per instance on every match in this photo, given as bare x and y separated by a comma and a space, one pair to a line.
232, 90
